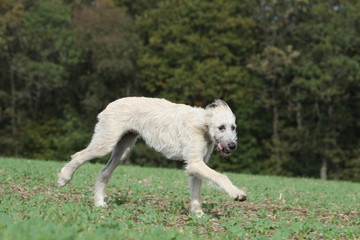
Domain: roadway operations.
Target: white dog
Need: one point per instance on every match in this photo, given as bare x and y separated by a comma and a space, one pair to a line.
176, 130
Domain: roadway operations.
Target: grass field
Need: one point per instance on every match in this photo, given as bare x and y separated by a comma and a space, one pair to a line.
153, 203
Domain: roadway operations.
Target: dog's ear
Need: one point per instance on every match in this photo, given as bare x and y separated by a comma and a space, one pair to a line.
217, 103
211, 105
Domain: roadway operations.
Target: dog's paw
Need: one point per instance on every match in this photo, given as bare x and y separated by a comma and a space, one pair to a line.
198, 213
63, 178
100, 204
239, 195
62, 181
241, 198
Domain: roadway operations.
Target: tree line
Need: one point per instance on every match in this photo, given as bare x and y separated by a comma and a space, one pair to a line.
290, 70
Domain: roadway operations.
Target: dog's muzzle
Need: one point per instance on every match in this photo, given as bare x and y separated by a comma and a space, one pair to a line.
226, 150
232, 146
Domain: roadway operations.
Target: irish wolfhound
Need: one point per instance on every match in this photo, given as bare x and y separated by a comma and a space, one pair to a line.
176, 130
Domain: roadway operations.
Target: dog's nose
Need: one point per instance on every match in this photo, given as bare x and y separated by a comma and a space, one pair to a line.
232, 145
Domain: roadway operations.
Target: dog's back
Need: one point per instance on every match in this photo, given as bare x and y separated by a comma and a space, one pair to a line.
164, 125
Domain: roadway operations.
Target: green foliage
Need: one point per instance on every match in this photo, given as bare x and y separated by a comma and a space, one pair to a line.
192, 45
52, 139
46, 50
153, 203
289, 70
108, 43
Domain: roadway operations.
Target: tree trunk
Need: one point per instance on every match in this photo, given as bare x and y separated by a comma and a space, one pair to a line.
13, 113
323, 169
324, 165
276, 136
298, 111
276, 125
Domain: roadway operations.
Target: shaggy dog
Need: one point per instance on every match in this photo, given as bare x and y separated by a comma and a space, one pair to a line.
178, 131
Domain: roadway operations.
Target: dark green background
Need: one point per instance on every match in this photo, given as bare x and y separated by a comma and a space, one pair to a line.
290, 70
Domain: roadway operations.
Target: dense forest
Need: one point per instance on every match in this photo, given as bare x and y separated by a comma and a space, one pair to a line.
290, 70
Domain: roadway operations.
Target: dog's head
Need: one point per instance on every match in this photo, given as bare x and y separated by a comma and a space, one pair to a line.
222, 126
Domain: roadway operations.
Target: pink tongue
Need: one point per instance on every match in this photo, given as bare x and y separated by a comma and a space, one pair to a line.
220, 146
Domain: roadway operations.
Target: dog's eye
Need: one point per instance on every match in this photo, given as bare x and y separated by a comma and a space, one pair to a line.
222, 127
233, 128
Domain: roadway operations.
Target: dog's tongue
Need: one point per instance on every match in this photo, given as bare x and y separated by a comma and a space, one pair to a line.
220, 146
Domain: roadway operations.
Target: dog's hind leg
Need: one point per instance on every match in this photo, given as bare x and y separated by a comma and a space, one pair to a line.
102, 143
119, 154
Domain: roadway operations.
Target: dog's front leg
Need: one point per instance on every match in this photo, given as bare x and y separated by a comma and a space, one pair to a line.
196, 201
200, 170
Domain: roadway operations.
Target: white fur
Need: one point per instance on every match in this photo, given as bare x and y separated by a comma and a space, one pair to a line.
176, 130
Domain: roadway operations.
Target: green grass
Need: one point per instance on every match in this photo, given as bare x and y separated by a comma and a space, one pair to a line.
153, 203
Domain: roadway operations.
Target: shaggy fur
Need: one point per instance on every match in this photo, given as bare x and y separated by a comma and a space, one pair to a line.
176, 130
